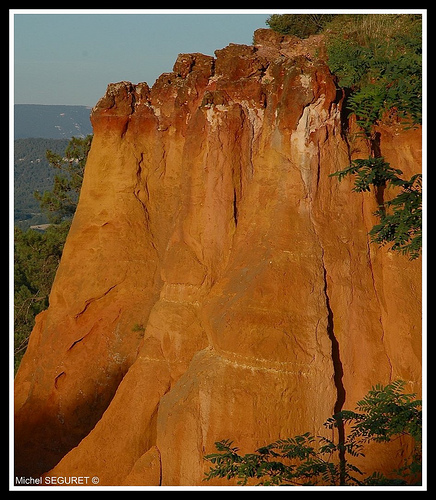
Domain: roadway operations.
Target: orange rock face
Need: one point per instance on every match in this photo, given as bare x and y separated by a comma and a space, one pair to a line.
216, 282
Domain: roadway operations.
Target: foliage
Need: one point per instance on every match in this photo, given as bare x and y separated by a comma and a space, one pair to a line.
400, 218
402, 227
140, 329
301, 460
378, 58
301, 25
60, 203
36, 259
385, 413
370, 172
37, 254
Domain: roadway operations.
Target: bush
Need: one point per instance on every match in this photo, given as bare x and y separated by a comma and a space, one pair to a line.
301, 25
378, 58
36, 259
385, 413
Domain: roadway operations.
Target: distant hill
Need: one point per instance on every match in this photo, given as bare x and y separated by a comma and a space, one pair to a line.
32, 172
51, 121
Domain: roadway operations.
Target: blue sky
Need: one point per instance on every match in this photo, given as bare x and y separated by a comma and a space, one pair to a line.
69, 58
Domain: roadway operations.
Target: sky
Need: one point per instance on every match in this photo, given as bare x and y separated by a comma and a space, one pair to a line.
69, 58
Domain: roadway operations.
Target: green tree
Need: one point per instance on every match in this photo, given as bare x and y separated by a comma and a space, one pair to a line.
60, 203
384, 414
378, 60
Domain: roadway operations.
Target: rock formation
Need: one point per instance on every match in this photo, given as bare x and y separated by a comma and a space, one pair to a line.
216, 282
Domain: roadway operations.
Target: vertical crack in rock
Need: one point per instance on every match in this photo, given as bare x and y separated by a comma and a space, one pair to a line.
235, 207
338, 373
337, 364
142, 194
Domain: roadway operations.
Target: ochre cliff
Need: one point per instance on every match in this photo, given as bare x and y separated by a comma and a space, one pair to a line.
216, 282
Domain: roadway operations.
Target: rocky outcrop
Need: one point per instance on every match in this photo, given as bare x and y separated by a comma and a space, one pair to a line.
216, 282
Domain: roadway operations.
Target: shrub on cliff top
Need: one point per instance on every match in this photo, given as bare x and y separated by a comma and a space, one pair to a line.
301, 25
376, 57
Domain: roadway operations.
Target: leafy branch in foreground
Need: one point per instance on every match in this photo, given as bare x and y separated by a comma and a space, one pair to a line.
385, 413
400, 218
301, 460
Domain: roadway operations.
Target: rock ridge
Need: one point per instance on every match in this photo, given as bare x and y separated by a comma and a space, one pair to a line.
216, 283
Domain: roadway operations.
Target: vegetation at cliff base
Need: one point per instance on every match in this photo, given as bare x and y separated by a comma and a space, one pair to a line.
37, 254
383, 415
36, 259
